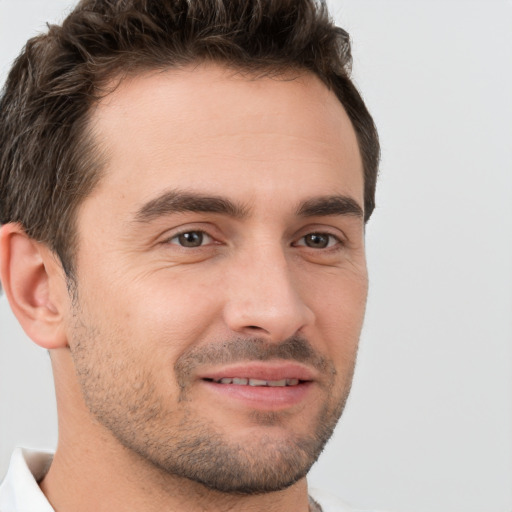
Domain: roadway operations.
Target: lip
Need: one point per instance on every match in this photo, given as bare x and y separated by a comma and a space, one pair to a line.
268, 370
264, 398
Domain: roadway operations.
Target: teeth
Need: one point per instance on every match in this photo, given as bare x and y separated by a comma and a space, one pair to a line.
258, 382
277, 383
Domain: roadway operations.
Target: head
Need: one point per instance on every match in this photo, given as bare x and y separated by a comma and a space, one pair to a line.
50, 161
200, 172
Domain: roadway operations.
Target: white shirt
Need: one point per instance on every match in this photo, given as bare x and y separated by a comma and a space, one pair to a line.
20, 492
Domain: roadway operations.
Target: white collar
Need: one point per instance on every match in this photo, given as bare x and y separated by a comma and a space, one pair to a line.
19, 491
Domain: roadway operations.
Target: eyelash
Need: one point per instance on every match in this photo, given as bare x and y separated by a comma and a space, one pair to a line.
331, 244
203, 234
333, 240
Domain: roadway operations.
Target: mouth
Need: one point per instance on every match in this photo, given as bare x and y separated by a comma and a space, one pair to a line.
277, 374
242, 381
261, 385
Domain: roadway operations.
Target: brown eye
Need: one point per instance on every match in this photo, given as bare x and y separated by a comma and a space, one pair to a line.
191, 239
318, 241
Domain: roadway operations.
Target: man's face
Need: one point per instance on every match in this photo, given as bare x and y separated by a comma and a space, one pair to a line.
221, 277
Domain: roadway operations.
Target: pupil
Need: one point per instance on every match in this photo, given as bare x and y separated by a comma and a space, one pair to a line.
192, 239
317, 241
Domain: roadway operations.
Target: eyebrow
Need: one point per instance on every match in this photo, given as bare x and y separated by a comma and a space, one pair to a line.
176, 201
330, 205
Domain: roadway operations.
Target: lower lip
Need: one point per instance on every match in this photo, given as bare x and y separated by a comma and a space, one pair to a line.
269, 398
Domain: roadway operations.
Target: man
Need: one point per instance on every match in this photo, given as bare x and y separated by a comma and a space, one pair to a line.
184, 190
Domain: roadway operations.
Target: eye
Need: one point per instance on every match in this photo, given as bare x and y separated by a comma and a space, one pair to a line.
319, 241
191, 239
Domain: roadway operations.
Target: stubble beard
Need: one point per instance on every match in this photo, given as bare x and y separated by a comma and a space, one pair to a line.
127, 402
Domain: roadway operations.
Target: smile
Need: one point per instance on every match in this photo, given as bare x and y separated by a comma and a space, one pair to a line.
261, 385
256, 382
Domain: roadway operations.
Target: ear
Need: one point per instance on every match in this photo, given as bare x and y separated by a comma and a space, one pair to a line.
35, 286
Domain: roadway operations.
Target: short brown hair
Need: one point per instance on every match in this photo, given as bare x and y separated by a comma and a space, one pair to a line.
49, 160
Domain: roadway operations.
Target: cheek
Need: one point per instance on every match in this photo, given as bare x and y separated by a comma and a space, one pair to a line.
339, 305
164, 312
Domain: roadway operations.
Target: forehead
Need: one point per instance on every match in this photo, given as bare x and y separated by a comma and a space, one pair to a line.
206, 126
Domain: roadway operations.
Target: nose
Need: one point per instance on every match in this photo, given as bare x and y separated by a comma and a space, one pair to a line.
263, 297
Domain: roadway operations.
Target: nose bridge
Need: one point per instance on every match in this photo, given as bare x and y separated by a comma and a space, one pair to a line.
264, 297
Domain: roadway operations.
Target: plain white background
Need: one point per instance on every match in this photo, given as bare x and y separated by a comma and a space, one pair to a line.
428, 427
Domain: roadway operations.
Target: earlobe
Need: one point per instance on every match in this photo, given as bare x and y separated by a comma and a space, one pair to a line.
32, 279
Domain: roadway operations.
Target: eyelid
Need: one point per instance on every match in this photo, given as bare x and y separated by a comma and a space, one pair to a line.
338, 240
207, 238
208, 230
322, 229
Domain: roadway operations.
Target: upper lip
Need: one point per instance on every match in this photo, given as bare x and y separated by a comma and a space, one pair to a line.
261, 370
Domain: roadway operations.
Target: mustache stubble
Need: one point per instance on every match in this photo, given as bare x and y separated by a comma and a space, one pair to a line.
243, 349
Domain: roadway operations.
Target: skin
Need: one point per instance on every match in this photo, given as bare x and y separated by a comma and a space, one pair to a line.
132, 348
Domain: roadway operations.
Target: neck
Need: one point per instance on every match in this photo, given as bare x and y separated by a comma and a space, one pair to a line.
82, 482
91, 470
